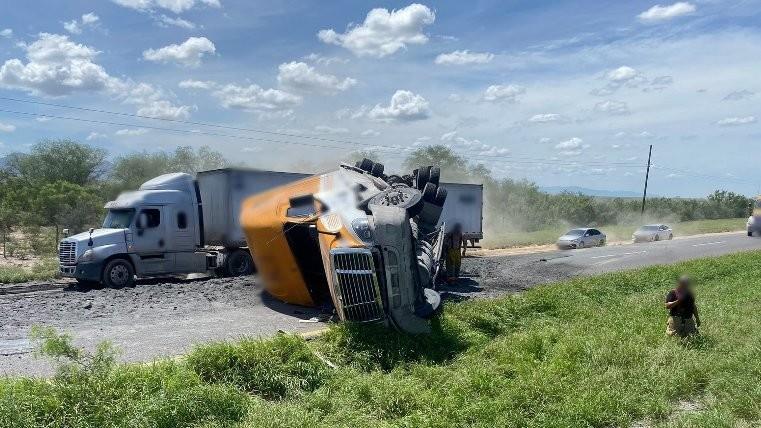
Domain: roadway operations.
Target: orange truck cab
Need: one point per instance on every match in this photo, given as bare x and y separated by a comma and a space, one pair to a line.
354, 238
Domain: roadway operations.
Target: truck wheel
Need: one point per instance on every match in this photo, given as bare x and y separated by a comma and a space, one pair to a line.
239, 263
365, 165
750, 233
441, 196
118, 273
422, 176
377, 169
434, 175
429, 192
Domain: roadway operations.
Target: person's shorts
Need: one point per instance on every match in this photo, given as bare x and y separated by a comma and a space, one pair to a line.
682, 327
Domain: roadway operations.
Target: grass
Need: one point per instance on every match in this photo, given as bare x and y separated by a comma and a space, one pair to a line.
507, 239
587, 352
44, 270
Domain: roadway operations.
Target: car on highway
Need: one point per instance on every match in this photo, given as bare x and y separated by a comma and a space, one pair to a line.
580, 238
652, 232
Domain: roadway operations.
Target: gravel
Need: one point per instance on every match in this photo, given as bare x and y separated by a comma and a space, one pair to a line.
159, 318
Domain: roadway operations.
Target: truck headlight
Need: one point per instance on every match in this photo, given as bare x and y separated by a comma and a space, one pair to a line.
361, 227
87, 256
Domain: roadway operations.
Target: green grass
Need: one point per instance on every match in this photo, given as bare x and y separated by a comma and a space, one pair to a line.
44, 270
587, 352
507, 239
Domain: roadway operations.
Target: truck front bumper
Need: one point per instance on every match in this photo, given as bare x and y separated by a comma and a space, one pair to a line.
90, 271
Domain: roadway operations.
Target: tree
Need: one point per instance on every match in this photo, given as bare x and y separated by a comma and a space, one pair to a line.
58, 160
133, 169
453, 166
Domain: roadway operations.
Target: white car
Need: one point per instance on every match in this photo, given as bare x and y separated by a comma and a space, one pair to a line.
653, 232
580, 238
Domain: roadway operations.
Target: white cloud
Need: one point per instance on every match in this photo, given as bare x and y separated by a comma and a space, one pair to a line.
196, 84
507, 93
738, 95
4, 127
324, 129
152, 102
254, 98
370, 133
131, 132
164, 20
176, 6
56, 66
736, 121
7, 33
571, 147
96, 136
325, 60
301, 76
546, 118
612, 107
404, 106
464, 57
448, 136
622, 74
383, 32
660, 13
189, 53
75, 26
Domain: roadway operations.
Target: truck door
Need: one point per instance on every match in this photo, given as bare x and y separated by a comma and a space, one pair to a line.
181, 234
149, 241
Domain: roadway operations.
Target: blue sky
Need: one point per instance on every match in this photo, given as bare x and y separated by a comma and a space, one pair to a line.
560, 93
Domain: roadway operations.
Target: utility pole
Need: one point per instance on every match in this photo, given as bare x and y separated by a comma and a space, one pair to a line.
647, 175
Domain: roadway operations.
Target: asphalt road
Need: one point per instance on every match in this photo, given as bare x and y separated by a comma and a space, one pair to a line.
620, 257
168, 317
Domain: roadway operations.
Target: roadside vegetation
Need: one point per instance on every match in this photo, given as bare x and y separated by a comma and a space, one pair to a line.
587, 352
62, 184
615, 232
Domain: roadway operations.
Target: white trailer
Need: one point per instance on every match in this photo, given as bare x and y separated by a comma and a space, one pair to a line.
464, 205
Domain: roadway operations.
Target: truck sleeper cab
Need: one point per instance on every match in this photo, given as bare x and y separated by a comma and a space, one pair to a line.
354, 239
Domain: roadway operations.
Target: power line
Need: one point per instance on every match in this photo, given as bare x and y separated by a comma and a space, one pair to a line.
513, 159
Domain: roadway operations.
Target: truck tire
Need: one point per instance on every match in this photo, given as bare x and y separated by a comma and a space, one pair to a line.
377, 170
365, 165
441, 197
434, 175
429, 192
239, 263
118, 273
421, 177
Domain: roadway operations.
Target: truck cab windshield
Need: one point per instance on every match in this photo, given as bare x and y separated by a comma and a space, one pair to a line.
118, 219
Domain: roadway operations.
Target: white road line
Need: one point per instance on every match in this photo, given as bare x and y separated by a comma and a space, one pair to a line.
620, 254
708, 243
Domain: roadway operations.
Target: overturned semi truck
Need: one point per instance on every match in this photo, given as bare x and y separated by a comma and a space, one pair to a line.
367, 243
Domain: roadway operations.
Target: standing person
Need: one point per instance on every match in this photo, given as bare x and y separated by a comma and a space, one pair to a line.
453, 246
683, 318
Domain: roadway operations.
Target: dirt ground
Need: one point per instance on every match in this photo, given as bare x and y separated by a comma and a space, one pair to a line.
168, 317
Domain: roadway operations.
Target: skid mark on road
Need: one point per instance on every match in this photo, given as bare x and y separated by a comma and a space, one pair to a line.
708, 243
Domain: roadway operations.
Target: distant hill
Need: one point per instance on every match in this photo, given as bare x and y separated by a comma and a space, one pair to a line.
554, 190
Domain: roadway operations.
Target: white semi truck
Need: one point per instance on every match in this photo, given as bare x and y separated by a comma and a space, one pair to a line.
176, 224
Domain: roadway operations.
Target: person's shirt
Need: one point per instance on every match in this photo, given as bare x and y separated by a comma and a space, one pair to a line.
685, 308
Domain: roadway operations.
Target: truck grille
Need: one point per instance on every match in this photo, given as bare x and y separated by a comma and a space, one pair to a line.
67, 253
357, 285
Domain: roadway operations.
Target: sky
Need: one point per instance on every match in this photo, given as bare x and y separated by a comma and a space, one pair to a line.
562, 93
